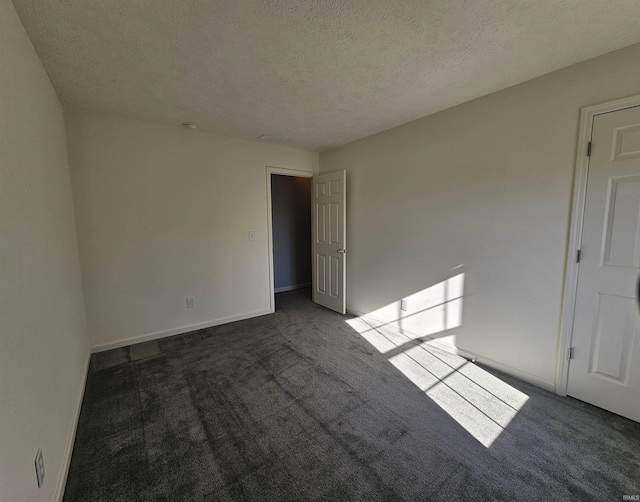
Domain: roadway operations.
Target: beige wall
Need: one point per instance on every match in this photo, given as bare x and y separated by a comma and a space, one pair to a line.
164, 214
486, 185
43, 343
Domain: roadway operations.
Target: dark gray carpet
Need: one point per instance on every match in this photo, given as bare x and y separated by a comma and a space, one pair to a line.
298, 406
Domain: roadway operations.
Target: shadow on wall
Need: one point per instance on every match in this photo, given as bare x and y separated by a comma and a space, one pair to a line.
405, 331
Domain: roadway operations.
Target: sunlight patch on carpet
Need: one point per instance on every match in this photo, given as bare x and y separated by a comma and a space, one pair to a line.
478, 401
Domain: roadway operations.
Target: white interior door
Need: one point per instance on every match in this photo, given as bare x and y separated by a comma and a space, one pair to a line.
329, 232
605, 368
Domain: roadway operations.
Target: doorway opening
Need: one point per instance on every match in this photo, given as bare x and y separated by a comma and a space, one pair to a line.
289, 194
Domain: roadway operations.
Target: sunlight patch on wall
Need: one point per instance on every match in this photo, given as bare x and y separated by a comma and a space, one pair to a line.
431, 311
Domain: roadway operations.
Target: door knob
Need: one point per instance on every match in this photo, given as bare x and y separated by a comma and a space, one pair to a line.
342, 251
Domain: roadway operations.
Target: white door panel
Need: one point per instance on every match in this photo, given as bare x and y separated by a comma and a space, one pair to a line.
329, 240
605, 368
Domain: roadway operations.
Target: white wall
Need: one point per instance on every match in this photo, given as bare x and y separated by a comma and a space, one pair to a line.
163, 214
486, 185
291, 210
43, 342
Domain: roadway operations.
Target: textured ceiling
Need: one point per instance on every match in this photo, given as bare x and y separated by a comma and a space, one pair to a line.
310, 74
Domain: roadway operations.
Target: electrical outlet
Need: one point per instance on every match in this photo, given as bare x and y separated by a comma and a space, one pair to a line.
39, 468
191, 302
403, 305
252, 236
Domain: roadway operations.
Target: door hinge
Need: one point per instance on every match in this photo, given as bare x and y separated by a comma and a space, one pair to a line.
569, 353
578, 254
589, 149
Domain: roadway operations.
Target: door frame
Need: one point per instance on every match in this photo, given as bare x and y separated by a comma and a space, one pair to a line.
283, 172
587, 114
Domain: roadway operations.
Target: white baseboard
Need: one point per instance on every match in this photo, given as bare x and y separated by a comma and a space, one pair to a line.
291, 288
176, 331
66, 460
355, 313
504, 368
